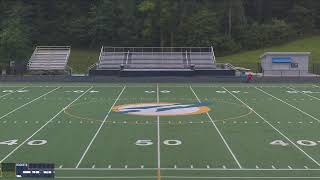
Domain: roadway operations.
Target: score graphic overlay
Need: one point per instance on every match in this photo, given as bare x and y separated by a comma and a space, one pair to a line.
41, 170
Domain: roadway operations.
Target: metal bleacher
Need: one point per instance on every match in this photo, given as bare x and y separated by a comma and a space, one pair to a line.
158, 61
49, 58
150, 58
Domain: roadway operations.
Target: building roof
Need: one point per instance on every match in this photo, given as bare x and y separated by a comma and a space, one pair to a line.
285, 54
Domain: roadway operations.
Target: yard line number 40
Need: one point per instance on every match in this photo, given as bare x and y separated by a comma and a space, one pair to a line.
300, 142
31, 143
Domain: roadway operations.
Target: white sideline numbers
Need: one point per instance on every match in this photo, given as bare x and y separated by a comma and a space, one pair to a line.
10, 142
37, 142
148, 142
172, 142
31, 143
299, 142
162, 91
144, 142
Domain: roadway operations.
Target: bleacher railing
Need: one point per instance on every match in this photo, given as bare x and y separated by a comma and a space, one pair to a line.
157, 49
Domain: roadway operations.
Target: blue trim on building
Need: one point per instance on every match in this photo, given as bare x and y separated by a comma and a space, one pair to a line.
282, 60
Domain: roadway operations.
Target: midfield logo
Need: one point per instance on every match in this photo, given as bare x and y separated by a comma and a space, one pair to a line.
162, 109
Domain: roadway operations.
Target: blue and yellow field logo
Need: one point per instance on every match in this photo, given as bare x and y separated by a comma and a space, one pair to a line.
162, 109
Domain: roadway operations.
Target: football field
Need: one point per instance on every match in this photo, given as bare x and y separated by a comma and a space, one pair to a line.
163, 131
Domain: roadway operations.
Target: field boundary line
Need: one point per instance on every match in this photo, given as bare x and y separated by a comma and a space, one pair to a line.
220, 134
98, 130
305, 93
292, 106
13, 92
179, 169
44, 125
288, 139
158, 139
14, 110
187, 177
239, 177
105, 177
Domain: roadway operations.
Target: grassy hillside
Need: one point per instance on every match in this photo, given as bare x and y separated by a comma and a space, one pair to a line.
81, 59
249, 59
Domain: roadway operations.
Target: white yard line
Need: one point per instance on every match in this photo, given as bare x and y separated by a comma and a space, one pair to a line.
12, 92
98, 130
62, 110
305, 94
28, 103
294, 107
316, 86
158, 137
288, 139
223, 139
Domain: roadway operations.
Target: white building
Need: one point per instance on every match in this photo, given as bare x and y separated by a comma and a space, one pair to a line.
285, 63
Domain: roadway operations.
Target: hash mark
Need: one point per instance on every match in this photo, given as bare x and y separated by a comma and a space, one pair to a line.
208, 167
289, 167
306, 167
109, 166
60, 166
257, 167
93, 166
224, 167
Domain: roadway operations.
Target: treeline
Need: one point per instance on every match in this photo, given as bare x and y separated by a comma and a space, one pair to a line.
229, 25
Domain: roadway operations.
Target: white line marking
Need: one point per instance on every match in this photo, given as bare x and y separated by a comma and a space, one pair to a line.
288, 104
43, 126
105, 177
273, 127
175, 168
12, 92
158, 137
97, 132
178, 177
273, 167
289, 167
28, 103
93, 166
60, 166
305, 94
257, 167
225, 142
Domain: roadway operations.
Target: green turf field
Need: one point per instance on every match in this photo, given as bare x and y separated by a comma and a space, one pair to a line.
164, 131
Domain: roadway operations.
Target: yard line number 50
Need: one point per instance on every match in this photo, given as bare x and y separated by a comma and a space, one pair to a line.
148, 142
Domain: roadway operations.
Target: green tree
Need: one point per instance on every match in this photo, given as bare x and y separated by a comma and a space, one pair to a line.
14, 41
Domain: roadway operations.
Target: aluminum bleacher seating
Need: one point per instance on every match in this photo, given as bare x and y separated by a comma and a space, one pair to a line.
117, 58
49, 58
